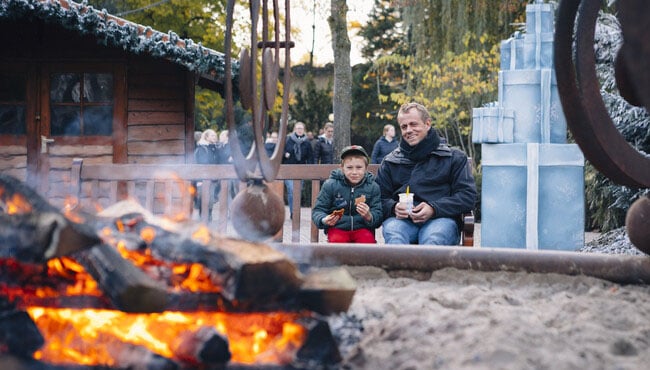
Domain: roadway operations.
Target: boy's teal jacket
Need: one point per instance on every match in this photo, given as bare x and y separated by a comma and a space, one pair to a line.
337, 193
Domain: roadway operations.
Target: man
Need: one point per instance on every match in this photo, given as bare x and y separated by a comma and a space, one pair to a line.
297, 150
324, 146
438, 176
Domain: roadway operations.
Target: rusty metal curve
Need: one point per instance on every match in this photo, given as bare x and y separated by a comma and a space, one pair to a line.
587, 116
247, 166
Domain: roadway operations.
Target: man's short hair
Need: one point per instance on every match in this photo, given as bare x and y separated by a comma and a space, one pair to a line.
424, 113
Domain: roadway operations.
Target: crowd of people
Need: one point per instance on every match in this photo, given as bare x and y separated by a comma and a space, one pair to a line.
422, 187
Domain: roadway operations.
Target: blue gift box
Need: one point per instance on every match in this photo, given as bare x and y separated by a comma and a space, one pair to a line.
493, 125
534, 97
540, 18
532, 196
512, 53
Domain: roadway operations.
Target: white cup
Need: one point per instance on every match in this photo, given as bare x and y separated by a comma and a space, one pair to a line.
407, 199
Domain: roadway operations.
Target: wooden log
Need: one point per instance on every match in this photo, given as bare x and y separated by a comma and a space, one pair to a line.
206, 346
128, 287
18, 332
248, 272
319, 348
327, 290
38, 236
31, 208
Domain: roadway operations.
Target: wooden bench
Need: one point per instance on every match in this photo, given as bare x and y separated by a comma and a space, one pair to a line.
164, 189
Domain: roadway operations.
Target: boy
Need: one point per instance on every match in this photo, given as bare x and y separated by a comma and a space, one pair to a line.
348, 206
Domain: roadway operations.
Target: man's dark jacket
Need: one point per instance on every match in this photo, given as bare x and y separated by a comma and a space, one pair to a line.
441, 177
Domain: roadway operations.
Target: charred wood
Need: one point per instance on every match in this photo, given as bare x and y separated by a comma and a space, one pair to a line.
206, 346
18, 332
26, 217
327, 290
248, 272
128, 287
320, 348
39, 236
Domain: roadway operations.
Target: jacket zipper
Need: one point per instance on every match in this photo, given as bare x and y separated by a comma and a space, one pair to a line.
351, 203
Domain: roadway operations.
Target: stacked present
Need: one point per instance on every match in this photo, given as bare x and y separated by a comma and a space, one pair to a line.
533, 181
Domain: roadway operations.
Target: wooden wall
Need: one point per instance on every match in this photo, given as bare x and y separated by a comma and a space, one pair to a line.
159, 116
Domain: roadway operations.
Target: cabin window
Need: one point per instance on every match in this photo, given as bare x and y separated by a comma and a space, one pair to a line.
81, 104
12, 103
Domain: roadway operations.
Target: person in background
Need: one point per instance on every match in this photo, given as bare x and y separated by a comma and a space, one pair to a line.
324, 145
297, 150
439, 177
271, 142
207, 152
384, 145
348, 206
225, 157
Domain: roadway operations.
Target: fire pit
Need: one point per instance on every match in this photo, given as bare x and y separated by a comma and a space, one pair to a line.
126, 289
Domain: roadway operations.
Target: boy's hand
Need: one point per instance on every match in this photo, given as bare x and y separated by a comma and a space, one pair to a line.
331, 219
364, 210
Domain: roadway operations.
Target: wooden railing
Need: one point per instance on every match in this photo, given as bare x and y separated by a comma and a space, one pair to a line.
160, 189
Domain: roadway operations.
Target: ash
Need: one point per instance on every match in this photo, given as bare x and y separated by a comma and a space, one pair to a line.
612, 242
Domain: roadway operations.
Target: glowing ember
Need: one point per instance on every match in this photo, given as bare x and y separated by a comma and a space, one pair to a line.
16, 204
95, 337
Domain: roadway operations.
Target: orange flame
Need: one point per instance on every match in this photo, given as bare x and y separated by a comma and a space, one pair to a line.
94, 337
17, 204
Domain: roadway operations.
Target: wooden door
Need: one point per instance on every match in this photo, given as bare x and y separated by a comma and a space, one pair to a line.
81, 115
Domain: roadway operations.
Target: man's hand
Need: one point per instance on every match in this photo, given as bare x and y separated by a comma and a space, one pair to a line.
422, 212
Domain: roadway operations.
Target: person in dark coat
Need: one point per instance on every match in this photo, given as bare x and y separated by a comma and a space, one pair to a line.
207, 152
438, 176
324, 145
297, 150
384, 145
348, 206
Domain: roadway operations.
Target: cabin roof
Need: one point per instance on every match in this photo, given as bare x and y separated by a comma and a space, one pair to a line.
113, 31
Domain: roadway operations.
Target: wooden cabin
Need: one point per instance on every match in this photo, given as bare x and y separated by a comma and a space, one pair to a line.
76, 82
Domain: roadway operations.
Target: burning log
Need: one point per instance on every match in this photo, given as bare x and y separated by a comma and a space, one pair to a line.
18, 332
327, 290
130, 289
248, 271
206, 346
32, 230
37, 237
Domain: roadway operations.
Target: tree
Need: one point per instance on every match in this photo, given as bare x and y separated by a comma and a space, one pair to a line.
312, 106
342, 106
450, 88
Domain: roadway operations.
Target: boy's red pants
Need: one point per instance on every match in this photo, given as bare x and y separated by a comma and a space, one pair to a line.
335, 235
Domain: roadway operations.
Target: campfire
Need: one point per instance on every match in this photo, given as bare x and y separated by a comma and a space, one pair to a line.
125, 289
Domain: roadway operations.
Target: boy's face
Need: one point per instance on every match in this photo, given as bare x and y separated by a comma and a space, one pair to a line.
354, 169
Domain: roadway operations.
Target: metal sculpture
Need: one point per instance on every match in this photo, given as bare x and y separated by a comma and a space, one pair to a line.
257, 166
585, 111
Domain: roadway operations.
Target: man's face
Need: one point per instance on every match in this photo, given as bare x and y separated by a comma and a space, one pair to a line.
412, 127
299, 130
329, 132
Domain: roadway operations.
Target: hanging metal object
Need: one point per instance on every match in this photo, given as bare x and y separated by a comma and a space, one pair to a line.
585, 111
258, 212
257, 165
